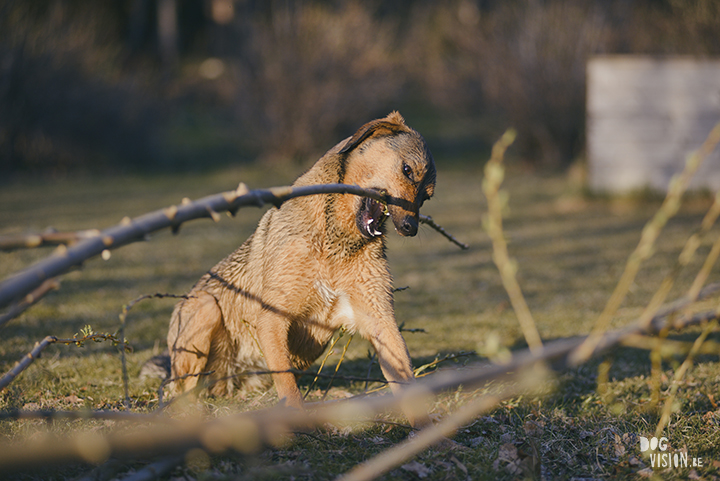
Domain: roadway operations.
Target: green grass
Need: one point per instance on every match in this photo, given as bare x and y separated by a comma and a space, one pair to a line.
570, 250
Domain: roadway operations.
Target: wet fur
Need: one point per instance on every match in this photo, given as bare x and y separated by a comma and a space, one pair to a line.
275, 302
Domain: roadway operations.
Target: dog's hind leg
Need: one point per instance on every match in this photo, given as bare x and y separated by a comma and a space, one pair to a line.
196, 325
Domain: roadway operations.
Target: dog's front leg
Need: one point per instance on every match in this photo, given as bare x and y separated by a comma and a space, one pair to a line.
272, 331
395, 363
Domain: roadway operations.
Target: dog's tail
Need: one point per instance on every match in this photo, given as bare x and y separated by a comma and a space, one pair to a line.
156, 367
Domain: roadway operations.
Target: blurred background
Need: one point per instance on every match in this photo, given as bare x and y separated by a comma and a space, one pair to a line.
158, 85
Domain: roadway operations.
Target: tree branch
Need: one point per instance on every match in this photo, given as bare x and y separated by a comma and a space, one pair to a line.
30, 299
137, 229
50, 237
426, 219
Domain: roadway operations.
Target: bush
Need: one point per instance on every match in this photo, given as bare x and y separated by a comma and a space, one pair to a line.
63, 104
525, 59
304, 72
297, 75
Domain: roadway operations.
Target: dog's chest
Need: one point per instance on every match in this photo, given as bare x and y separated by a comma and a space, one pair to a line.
337, 310
325, 294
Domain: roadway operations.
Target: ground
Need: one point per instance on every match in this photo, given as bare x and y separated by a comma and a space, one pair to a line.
570, 249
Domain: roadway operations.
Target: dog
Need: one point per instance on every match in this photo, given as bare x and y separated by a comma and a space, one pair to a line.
313, 265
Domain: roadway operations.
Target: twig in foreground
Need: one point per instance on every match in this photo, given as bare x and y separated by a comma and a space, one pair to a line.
433, 435
494, 174
247, 432
644, 249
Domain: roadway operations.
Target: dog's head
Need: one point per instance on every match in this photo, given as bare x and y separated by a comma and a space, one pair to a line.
388, 156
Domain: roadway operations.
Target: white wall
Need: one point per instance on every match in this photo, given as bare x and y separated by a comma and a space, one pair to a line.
644, 115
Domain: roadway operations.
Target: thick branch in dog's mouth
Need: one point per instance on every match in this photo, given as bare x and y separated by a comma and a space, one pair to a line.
370, 217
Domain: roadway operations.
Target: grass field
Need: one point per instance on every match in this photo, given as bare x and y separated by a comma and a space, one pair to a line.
570, 249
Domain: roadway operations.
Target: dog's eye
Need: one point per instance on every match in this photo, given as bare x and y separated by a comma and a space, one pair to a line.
407, 171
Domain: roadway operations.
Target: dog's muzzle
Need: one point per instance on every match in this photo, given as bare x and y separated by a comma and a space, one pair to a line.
371, 217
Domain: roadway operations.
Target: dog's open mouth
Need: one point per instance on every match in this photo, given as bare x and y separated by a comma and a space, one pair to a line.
371, 217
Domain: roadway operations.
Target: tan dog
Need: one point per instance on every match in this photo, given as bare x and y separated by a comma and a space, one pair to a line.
315, 264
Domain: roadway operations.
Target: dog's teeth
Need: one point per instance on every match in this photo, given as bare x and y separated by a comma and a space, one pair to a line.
377, 232
369, 221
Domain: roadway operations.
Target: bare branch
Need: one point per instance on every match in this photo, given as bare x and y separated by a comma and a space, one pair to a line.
23, 364
137, 229
50, 237
426, 219
30, 299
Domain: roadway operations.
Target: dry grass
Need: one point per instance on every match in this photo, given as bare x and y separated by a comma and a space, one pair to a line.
570, 251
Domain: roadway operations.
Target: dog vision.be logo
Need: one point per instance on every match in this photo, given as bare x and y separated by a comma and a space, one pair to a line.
666, 460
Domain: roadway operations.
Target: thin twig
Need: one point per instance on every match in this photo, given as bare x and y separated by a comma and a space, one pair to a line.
30, 299
40, 346
123, 318
23, 364
165, 382
448, 357
426, 219
402, 328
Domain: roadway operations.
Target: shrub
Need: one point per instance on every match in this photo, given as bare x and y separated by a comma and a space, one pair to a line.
525, 59
63, 103
304, 72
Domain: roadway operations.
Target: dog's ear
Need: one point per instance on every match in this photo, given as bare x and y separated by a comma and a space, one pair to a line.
390, 125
